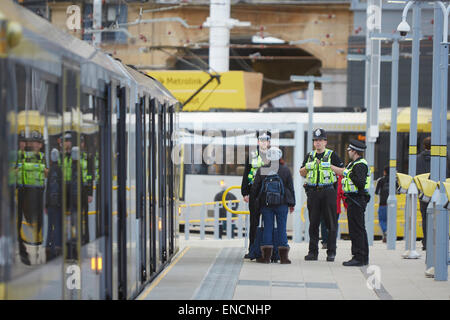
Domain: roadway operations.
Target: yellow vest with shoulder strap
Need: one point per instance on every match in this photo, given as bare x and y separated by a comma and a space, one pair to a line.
256, 163
347, 183
319, 174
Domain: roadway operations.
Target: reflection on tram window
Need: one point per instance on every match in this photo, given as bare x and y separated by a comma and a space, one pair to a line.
31, 164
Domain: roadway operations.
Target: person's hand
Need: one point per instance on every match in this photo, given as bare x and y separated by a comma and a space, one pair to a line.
90, 198
291, 209
246, 198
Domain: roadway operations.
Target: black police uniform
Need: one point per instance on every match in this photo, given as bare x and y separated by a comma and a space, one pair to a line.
322, 202
357, 203
246, 186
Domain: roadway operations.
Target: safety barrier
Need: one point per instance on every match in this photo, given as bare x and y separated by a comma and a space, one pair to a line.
240, 222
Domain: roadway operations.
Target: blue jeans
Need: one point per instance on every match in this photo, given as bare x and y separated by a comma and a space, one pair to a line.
382, 217
268, 215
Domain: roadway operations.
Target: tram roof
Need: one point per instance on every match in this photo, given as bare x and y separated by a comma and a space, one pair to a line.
47, 34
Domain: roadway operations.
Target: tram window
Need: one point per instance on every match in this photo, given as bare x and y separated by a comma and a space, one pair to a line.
22, 83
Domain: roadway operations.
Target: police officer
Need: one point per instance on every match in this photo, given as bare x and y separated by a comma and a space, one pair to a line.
320, 187
355, 184
87, 173
21, 195
252, 164
54, 200
33, 171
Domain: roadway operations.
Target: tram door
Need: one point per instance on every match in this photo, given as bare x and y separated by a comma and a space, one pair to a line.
171, 201
121, 194
152, 183
104, 188
162, 181
141, 173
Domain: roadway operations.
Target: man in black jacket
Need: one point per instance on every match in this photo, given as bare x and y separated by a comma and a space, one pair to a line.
423, 166
252, 163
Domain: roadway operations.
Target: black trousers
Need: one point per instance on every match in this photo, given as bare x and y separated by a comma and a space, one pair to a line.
322, 203
356, 227
423, 210
255, 213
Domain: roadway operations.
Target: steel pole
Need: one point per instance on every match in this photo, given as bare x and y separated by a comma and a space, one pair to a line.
441, 250
373, 26
435, 130
411, 252
310, 97
392, 199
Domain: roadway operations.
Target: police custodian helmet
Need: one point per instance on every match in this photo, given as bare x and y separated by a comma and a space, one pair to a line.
319, 134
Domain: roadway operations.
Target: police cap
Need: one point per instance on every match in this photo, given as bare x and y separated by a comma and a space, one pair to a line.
68, 135
356, 145
319, 134
264, 135
35, 136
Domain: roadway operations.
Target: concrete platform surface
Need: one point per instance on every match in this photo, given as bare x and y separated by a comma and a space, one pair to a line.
216, 270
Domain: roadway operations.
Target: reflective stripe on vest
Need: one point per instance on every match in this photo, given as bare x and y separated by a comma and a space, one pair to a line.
347, 183
256, 163
326, 175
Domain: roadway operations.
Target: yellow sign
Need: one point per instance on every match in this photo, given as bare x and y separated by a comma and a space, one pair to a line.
229, 94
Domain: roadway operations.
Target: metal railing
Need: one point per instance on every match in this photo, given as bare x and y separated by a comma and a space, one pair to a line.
240, 222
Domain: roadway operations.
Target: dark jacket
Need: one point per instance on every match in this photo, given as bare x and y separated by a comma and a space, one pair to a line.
286, 177
382, 190
423, 162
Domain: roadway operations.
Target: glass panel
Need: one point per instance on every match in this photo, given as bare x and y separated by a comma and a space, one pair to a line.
37, 184
72, 176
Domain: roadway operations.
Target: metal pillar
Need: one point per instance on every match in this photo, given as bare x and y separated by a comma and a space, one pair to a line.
310, 114
392, 199
441, 217
411, 215
435, 133
298, 182
310, 94
97, 22
372, 99
220, 23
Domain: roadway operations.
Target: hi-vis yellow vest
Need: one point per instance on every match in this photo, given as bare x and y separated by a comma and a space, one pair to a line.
347, 183
326, 176
256, 163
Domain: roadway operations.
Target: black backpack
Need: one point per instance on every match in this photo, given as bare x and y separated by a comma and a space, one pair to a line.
273, 190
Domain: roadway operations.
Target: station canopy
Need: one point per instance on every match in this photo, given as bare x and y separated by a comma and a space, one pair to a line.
424, 116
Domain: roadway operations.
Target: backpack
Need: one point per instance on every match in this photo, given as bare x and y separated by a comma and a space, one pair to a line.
273, 190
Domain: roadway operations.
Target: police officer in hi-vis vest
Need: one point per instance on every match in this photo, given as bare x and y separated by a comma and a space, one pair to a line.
32, 171
320, 186
87, 174
355, 184
252, 164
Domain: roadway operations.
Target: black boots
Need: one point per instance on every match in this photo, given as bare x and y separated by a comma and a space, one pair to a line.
311, 257
266, 252
284, 251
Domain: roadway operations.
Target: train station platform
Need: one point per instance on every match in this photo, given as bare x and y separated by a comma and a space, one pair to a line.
216, 270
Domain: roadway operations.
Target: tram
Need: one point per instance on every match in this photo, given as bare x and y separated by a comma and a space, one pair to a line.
88, 187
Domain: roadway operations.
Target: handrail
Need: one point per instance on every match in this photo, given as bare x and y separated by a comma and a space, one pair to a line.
224, 201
